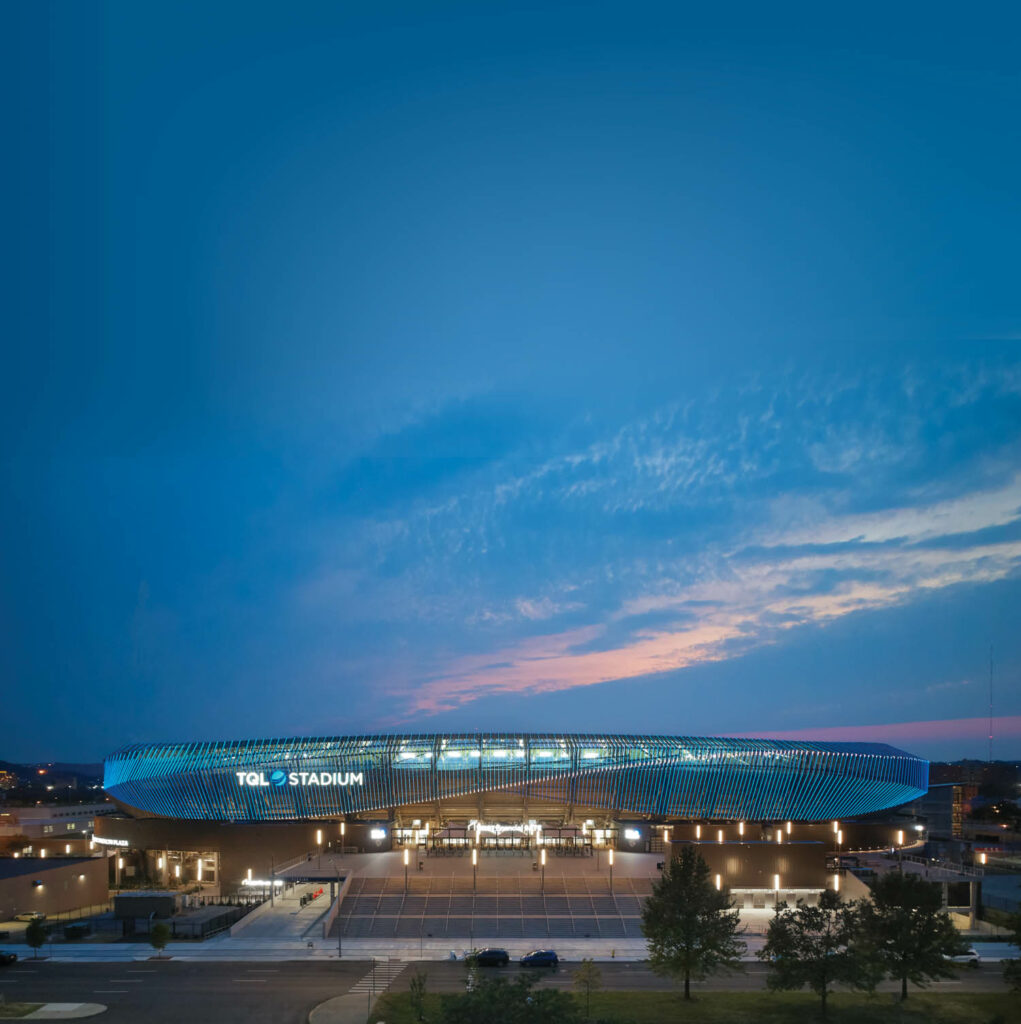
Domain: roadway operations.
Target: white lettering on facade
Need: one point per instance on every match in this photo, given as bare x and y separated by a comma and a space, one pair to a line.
258, 779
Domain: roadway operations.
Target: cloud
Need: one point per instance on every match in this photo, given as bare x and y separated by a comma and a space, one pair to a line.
690, 536
741, 604
957, 730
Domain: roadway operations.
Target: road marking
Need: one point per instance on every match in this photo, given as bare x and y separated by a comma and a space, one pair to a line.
379, 978
109, 991
271, 970
125, 981
261, 981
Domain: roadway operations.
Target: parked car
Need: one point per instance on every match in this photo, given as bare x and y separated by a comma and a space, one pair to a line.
540, 958
968, 959
30, 915
492, 957
7, 958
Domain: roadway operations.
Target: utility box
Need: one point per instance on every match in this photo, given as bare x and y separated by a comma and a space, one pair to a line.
146, 904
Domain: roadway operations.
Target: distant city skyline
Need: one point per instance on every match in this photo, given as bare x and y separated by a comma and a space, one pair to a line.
593, 370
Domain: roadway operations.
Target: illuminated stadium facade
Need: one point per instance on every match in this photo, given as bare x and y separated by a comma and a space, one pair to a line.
501, 776
232, 813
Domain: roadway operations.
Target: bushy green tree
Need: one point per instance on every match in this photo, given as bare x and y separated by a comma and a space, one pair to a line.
416, 993
497, 1001
818, 947
1012, 968
588, 978
159, 936
908, 931
35, 935
689, 925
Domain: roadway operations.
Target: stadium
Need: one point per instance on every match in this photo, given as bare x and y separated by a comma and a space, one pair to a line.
221, 811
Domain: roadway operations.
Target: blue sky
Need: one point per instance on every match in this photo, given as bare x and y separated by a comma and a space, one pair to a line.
591, 367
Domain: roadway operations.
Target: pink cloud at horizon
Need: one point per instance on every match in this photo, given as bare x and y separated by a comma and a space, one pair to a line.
903, 734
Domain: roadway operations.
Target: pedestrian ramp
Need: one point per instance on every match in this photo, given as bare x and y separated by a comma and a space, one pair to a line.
380, 978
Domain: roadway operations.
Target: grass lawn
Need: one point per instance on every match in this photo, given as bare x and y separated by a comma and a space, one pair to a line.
766, 1008
10, 1010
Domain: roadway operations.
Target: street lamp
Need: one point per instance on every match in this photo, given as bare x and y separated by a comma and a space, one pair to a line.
337, 920
611, 869
542, 861
475, 869
343, 830
407, 853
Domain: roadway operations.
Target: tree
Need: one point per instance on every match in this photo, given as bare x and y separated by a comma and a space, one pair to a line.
816, 946
1012, 968
35, 935
588, 978
497, 1001
416, 993
689, 925
908, 931
159, 936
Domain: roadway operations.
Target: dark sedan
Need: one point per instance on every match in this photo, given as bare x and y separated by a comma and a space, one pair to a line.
540, 958
7, 958
492, 958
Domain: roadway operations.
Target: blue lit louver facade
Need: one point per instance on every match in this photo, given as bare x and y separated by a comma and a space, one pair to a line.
660, 776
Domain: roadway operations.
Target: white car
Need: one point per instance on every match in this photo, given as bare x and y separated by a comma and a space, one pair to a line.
968, 959
30, 915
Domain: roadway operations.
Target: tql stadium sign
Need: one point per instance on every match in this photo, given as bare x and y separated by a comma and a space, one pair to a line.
278, 778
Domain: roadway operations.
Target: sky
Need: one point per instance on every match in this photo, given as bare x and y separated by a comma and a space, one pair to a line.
584, 367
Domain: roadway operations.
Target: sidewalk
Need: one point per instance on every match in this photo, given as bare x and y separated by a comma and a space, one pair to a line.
65, 1011
355, 1007
349, 1009
225, 948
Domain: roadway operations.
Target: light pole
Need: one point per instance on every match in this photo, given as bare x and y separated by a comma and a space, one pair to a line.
272, 870
340, 927
611, 869
343, 830
319, 844
407, 853
475, 869
542, 861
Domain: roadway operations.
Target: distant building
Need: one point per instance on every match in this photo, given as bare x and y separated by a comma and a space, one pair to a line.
52, 822
51, 886
943, 808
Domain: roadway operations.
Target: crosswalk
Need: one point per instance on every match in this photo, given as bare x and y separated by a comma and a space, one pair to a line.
380, 977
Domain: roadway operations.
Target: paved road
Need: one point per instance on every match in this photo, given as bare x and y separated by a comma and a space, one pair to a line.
170, 992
